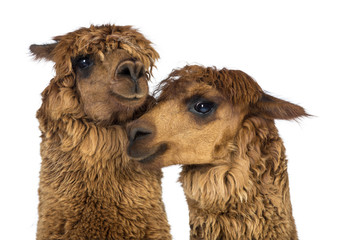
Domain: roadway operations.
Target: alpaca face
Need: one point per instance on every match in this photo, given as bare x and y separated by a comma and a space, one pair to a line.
198, 115
101, 73
196, 127
111, 83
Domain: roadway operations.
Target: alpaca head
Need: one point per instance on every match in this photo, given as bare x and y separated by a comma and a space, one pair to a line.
198, 116
102, 72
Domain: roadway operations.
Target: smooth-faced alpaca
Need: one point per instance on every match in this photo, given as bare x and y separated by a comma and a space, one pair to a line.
220, 126
88, 187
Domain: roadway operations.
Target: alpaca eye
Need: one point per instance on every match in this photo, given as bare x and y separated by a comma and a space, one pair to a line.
204, 107
84, 62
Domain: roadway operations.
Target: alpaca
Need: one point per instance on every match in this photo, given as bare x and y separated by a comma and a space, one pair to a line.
220, 125
89, 188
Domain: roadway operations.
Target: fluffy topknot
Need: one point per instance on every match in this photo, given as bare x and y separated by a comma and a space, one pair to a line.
235, 85
97, 39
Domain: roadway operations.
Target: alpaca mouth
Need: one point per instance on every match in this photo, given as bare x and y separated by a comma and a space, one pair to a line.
150, 159
131, 98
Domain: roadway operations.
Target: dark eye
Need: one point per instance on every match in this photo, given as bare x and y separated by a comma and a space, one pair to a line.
204, 107
84, 62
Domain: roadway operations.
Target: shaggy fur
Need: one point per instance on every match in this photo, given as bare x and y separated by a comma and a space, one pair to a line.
88, 187
234, 166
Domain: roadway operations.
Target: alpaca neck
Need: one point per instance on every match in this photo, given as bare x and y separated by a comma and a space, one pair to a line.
263, 213
247, 195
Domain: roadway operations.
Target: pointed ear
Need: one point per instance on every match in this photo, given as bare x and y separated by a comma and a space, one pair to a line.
275, 108
44, 51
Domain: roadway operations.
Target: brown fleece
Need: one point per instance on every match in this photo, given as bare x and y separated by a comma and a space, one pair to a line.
89, 188
234, 165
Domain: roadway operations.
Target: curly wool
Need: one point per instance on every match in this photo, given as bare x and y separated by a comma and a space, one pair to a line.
245, 194
97, 39
247, 199
89, 189
235, 85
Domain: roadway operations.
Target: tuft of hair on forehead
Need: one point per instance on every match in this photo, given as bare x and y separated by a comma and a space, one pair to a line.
235, 85
95, 40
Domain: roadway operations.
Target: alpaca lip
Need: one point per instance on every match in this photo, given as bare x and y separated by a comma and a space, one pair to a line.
160, 151
123, 98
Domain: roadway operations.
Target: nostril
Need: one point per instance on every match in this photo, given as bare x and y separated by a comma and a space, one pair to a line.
141, 71
124, 71
134, 70
139, 133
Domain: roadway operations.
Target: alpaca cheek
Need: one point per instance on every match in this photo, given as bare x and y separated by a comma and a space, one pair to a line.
167, 120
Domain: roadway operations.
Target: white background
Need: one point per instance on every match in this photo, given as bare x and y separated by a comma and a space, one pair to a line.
289, 47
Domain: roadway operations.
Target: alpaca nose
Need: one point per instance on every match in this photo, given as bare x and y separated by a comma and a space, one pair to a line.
132, 70
138, 133
139, 138
141, 135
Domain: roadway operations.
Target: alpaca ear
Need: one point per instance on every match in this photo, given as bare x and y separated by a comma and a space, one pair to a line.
44, 51
275, 108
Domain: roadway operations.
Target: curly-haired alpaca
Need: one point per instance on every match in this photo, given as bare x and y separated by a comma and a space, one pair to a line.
220, 125
88, 187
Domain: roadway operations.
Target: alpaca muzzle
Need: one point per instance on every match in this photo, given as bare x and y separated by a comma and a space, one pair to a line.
134, 72
141, 136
